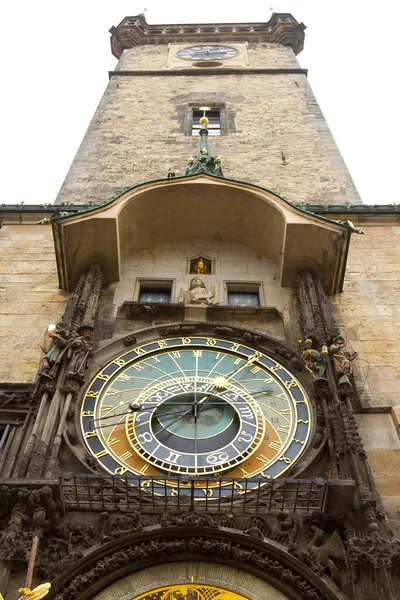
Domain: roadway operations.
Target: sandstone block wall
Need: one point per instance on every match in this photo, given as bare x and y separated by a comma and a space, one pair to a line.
232, 263
276, 136
368, 313
30, 299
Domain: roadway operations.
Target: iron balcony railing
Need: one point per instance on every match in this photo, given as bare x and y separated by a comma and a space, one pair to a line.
156, 494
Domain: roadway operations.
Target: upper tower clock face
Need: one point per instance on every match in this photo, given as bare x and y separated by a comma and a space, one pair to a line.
210, 408
207, 52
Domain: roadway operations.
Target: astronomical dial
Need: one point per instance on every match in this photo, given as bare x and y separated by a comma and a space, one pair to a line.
207, 52
207, 408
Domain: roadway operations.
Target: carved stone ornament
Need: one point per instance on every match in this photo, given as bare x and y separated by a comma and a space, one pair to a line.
270, 565
198, 293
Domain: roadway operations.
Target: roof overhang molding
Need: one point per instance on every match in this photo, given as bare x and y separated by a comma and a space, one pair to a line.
282, 29
198, 207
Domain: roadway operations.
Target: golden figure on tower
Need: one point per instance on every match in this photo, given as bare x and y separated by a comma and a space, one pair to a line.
201, 268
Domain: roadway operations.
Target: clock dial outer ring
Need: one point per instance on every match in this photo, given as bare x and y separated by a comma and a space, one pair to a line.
302, 412
221, 55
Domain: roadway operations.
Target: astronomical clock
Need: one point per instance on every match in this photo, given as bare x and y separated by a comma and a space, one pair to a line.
196, 407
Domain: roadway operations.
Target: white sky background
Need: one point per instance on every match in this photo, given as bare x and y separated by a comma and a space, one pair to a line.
56, 56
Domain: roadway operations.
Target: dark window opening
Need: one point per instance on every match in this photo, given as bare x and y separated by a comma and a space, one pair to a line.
243, 298
155, 291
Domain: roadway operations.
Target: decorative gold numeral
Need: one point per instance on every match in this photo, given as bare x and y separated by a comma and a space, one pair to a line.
162, 344
88, 413
234, 347
243, 471
302, 421
120, 362
101, 453
284, 428
291, 383
103, 377
144, 469
238, 361
263, 459
299, 442
113, 441
138, 367
186, 341
140, 351
92, 394
112, 392
238, 488
275, 445
120, 470
125, 456
90, 434
208, 492
122, 377
211, 342
255, 370
276, 368
176, 354
301, 401
197, 353
156, 359
286, 460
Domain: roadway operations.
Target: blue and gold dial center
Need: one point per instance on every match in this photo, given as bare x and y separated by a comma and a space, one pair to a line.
207, 407
201, 421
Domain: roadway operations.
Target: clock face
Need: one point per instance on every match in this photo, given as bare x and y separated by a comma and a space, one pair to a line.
207, 52
210, 408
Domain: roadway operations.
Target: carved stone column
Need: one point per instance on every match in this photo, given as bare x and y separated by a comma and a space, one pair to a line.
60, 380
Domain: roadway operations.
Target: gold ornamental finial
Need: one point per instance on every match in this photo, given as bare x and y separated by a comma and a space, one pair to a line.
204, 121
37, 594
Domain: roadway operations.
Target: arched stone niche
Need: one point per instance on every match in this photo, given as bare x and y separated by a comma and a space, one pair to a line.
213, 574
201, 207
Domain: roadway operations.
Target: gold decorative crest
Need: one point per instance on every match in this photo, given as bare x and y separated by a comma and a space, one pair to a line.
190, 592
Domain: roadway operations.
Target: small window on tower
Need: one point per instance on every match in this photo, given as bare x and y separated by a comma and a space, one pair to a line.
214, 121
243, 294
155, 291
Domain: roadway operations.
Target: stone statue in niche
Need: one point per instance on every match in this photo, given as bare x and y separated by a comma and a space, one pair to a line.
198, 293
81, 352
56, 352
314, 359
342, 360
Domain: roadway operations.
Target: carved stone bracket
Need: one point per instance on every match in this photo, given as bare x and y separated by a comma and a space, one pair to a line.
25, 513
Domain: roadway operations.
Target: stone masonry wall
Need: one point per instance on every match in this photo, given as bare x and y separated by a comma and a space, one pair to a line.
261, 56
368, 313
277, 136
29, 299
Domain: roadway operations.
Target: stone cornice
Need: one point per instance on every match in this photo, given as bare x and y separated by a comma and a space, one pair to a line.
282, 29
213, 72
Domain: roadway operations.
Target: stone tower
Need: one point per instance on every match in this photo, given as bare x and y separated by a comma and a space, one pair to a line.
180, 415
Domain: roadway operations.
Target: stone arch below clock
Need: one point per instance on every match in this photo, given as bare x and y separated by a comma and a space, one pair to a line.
152, 557
245, 585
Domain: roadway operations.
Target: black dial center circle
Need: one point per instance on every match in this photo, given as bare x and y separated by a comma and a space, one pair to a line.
189, 416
